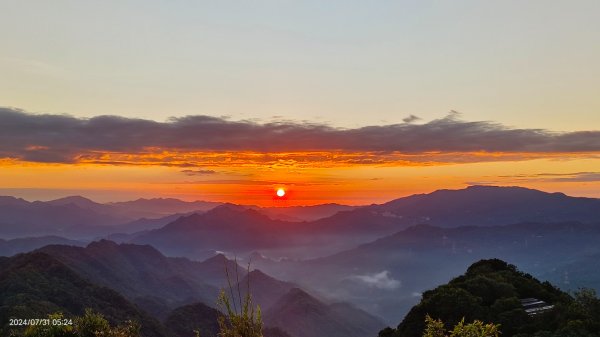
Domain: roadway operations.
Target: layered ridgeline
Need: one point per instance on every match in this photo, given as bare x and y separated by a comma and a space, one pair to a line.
225, 227
76, 217
126, 281
319, 319
198, 229
156, 283
23, 245
387, 276
495, 291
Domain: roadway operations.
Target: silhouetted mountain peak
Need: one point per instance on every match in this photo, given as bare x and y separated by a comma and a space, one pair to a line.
223, 215
484, 205
303, 315
235, 210
489, 266
37, 260
299, 297
219, 259
258, 274
257, 277
102, 244
12, 201
74, 199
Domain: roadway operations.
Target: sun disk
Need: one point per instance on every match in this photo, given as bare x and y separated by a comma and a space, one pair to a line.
280, 192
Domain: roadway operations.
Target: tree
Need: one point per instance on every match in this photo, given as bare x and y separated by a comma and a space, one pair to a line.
91, 324
435, 328
51, 330
241, 318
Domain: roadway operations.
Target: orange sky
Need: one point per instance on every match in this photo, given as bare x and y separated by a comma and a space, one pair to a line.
251, 182
111, 158
350, 102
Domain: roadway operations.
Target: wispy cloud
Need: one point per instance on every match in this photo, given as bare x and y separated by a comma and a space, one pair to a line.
540, 177
566, 177
573, 177
381, 280
205, 141
199, 172
410, 119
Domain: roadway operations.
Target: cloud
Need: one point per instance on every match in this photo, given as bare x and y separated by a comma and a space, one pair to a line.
567, 177
540, 177
381, 280
410, 119
572, 177
200, 140
199, 172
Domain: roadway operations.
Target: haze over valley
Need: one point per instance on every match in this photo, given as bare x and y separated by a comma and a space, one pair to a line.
365, 266
300, 168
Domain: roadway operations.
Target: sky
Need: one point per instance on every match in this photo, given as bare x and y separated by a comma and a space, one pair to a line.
336, 101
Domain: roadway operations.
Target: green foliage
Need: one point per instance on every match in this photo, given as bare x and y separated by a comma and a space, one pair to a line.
475, 329
242, 319
51, 330
489, 292
245, 323
34, 285
91, 324
435, 328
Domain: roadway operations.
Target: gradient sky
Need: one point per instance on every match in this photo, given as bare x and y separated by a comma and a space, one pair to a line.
316, 65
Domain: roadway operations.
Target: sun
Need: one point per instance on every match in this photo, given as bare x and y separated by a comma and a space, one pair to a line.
280, 192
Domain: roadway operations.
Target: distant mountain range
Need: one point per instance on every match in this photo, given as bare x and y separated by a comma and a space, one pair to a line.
387, 276
376, 258
240, 230
77, 217
489, 206
22, 218
23, 245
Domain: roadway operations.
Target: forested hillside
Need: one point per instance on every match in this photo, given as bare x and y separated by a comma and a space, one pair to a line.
494, 291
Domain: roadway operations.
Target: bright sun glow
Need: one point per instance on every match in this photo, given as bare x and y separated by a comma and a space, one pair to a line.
280, 192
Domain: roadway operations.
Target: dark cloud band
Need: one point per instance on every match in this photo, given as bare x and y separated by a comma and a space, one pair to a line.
62, 138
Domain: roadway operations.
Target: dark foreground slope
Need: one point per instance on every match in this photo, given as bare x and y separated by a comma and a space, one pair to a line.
491, 291
302, 315
34, 285
184, 320
156, 283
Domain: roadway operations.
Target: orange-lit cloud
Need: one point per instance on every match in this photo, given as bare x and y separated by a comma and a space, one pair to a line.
312, 159
209, 158
209, 141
